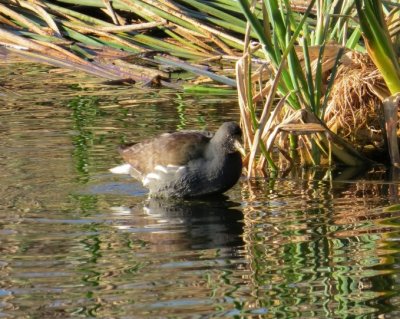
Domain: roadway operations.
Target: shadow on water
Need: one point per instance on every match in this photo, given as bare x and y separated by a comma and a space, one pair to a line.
172, 225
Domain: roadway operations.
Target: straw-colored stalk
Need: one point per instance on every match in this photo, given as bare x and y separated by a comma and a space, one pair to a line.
355, 108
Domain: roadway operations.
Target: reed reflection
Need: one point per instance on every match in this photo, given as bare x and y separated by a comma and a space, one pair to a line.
326, 239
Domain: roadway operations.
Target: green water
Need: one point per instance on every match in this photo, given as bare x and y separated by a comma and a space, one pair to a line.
79, 242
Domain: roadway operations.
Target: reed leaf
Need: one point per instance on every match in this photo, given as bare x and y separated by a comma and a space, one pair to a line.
19, 18
196, 70
378, 42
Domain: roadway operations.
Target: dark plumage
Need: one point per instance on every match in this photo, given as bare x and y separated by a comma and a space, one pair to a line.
187, 163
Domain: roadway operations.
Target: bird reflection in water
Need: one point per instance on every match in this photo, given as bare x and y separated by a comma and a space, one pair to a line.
167, 225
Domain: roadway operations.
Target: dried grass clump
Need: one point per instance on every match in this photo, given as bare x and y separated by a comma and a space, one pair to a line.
355, 108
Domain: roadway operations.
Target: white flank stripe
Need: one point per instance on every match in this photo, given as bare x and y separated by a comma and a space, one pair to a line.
121, 169
175, 168
161, 169
153, 176
162, 172
149, 178
145, 181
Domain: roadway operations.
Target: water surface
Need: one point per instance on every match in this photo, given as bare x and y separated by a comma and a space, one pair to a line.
76, 241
